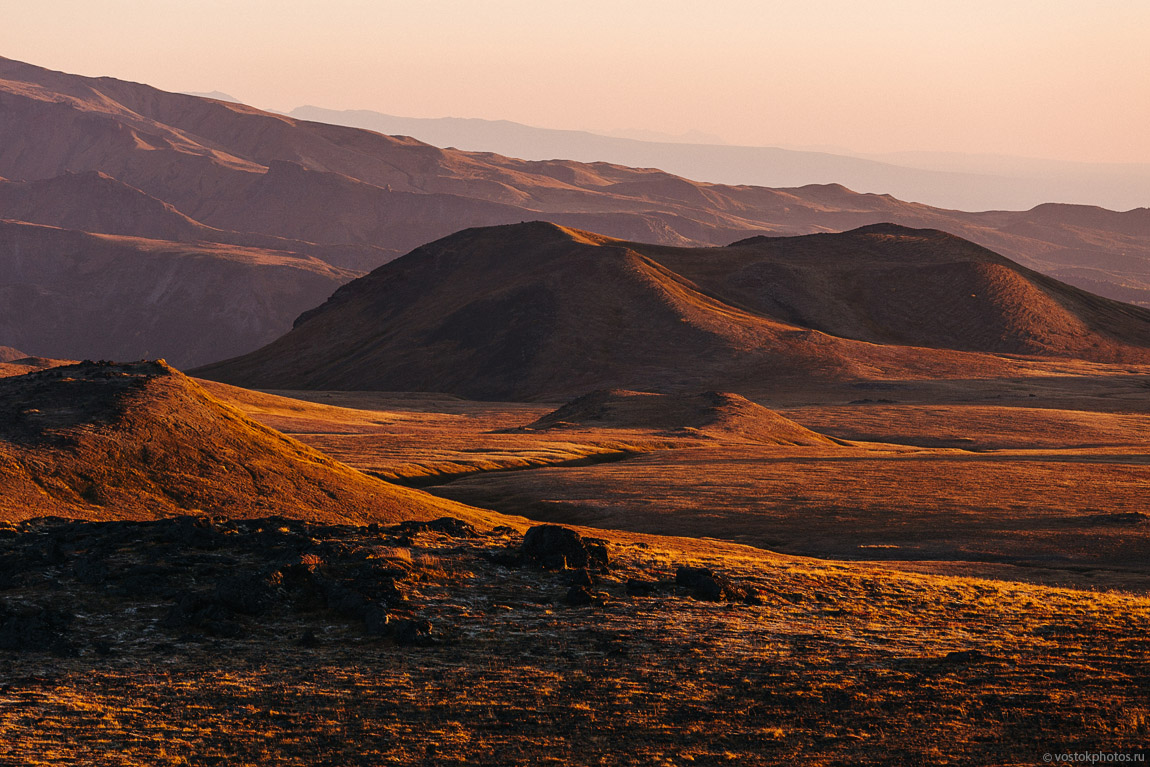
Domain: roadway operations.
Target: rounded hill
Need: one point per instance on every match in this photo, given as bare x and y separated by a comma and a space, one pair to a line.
710, 413
536, 310
139, 441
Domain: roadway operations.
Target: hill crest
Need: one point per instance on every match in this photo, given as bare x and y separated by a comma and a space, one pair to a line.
141, 441
537, 310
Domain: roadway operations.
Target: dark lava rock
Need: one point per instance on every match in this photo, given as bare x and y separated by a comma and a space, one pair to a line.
451, 526
303, 586
578, 596
90, 569
638, 587
412, 632
581, 577
193, 531
709, 586
556, 548
510, 559
34, 629
345, 601
1119, 519
967, 656
250, 594
203, 612
377, 621
143, 581
308, 639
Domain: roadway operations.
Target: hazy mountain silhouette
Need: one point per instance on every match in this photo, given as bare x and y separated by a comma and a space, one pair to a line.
93, 201
950, 180
536, 310
78, 295
217, 95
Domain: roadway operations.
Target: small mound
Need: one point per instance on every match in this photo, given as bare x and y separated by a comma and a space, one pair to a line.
712, 413
104, 441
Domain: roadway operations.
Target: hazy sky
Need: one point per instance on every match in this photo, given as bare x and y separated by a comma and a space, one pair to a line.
1047, 78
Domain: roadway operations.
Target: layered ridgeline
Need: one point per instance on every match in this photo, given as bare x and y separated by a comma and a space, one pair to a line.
109, 157
73, 294
537, 310
141, 441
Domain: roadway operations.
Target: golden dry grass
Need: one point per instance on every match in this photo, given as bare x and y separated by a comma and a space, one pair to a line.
976, 477
844, 662
841, 664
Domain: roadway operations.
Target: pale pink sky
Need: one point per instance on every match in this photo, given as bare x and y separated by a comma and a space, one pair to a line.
1044, 78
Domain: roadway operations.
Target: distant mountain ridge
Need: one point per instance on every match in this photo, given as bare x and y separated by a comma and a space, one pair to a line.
218, 180
76, 295
949, 181
536, 310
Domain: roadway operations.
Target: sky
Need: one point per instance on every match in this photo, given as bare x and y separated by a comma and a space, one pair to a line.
1039, 78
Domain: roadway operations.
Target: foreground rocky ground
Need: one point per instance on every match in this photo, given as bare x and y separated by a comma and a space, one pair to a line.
209, 641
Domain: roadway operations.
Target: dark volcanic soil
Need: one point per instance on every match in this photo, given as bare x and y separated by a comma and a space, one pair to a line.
199, 641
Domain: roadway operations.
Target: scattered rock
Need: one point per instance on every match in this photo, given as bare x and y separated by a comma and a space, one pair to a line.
143, 581
201, 611
581, 577
413, 631
377, 621
249, 594
90, 569
707, 585
556, 548
578, 596
192, 531
638, 587
510, 559
1118, 518
456, 528
967, 657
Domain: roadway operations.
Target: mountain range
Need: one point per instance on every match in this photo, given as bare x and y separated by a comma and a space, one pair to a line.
263, 215
949, 180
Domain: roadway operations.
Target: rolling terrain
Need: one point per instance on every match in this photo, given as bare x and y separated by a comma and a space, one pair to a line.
1038, 479
101, 441
536, 310
756, 493
104, 156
